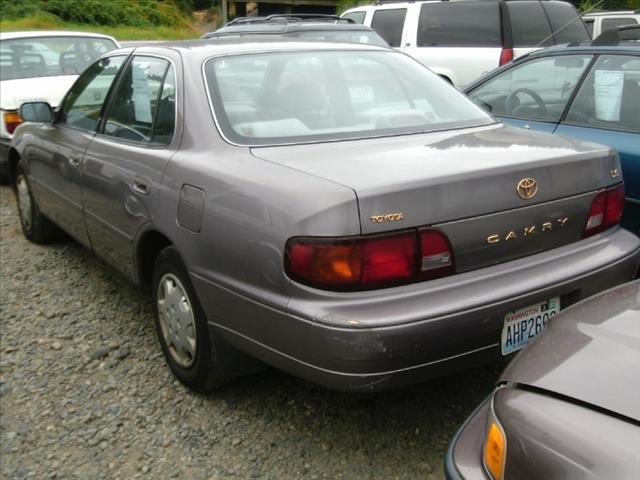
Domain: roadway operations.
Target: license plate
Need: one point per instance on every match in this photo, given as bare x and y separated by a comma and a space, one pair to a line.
520, 326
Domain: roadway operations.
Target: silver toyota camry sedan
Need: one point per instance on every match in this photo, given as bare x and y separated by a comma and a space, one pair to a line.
334, 210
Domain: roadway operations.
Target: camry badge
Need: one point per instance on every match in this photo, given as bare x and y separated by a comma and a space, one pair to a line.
527, 188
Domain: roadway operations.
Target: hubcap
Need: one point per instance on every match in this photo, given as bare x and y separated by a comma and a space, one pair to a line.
24, 202
177, 322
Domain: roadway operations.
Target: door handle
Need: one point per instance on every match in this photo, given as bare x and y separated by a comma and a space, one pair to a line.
140, 186
74, 161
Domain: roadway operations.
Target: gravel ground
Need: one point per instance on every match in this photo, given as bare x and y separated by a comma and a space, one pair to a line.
85, 393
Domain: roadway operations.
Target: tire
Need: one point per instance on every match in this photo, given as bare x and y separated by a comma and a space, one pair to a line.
35, 226
180, 321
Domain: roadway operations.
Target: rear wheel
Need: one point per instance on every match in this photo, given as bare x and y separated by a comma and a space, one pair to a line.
35, 226
182, 326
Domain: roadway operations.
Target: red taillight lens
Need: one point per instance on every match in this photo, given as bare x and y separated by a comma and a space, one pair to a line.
606, 211
389, 259
369, 262
11, 121
506, 55
437, 256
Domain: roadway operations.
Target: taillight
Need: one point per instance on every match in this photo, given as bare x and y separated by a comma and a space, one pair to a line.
360, 263
11, 121
436, 254
506, 55
606, 211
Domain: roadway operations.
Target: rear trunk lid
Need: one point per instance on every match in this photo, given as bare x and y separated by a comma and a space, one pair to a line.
465, 183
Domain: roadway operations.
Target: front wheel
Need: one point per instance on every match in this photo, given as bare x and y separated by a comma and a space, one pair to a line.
182, 325
35, 226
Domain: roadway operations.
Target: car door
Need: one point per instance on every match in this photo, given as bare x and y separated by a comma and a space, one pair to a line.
124, 164
457, 40
55, 168
534, 93
606, 110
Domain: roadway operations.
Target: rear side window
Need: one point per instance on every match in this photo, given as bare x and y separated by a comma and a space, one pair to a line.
529, 25
357, 17
143, 108
566, 24
608, 23
589, 24
609, 98
459, 24
389, 25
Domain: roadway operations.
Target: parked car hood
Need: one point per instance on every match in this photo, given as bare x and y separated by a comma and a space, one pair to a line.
590, 353
14, 93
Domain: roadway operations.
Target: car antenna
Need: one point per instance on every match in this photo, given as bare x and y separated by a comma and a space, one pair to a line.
595, 6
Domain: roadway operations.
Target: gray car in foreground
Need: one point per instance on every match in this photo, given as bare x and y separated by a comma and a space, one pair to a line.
334, 210
568, 406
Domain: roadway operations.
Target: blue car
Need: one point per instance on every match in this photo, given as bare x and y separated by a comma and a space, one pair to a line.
586, 91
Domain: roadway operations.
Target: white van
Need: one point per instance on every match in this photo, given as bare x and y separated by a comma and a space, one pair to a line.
462, 39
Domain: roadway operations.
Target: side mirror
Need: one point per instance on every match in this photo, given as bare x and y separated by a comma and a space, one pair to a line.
40, 112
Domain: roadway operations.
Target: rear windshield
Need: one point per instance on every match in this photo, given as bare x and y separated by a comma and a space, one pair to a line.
49, 56
296, 97
566, 24
459, 24
346, 36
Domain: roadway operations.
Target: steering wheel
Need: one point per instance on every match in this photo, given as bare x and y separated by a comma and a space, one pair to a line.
512, 103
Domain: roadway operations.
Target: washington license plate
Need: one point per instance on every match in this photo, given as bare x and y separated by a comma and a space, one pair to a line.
520, 326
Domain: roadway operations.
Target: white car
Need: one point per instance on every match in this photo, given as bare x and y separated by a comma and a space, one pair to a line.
40, 66
598, 22
461, 40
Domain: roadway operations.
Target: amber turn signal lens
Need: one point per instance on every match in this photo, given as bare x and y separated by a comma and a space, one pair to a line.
11, 121
495, 451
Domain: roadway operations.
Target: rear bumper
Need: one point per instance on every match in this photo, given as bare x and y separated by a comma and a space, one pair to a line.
366, 341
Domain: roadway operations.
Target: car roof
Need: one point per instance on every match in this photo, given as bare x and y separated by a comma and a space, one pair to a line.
611, 14
287, 23
51, 33
289, 27
205, 48
582, 48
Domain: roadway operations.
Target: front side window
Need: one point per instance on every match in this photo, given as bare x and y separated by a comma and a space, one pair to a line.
459, 24
537, 90
389, 25
49, 56
609, 97
357, 17
295, 97
143, 107
82, 107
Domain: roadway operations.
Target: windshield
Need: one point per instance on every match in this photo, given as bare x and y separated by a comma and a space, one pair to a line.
49, 56
294, 97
